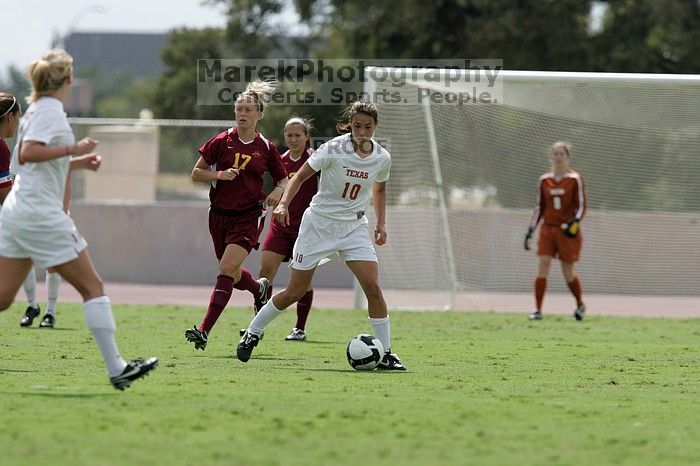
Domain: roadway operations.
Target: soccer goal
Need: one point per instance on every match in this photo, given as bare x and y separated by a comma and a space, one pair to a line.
464, 180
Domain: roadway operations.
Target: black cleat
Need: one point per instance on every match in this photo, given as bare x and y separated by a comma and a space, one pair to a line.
261, 300
579, 312
246, 345
196, 336
29, 315
48, 321
134, 370
537, 315
391, 362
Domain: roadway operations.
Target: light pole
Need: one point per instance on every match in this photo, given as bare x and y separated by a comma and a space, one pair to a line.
59, 40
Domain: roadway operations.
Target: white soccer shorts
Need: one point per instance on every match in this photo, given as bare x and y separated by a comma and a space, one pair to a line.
46, 247
321, 237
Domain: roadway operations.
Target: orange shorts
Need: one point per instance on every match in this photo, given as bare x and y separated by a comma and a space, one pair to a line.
553, 242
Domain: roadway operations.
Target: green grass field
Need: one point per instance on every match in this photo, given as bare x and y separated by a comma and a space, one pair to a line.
482, 389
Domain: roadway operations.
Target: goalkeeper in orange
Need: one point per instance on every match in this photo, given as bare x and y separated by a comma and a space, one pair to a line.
561, 204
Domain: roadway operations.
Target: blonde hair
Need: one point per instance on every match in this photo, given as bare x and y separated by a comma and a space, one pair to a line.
561, 145
49, 73
259, 91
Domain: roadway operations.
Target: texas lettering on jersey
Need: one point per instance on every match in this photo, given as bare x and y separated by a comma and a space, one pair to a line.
356, 173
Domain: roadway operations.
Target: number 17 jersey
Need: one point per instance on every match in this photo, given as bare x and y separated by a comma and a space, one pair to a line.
346, 180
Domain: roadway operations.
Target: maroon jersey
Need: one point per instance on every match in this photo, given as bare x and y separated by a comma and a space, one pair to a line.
5, 177
306, 191
226, 150
559, 201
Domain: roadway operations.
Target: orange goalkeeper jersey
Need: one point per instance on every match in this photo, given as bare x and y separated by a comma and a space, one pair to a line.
559, 201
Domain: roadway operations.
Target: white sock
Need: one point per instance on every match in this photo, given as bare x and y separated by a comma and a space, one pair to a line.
382, 331
29, 286
53, 282
262, 319
100, 321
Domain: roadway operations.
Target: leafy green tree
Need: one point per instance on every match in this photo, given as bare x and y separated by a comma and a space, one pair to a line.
176, 92
16, 83
649, 36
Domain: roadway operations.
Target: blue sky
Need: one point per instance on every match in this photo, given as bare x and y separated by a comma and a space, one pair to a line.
29, 25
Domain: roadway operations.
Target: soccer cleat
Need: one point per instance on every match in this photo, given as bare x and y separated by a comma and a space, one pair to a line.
391, 362
261, 300
48, 321
246, 345
134, 370
196, 336
579, 311
296, 335
537, 315
29, 315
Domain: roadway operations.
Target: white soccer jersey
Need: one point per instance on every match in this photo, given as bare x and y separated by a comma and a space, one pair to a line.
37, 193
346, 180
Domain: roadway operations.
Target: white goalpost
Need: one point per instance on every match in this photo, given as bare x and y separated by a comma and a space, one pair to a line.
464, 181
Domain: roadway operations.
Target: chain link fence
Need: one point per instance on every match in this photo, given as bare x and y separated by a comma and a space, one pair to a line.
144, 159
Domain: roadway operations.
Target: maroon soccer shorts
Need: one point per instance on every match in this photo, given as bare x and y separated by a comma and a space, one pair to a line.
554, 242
280, 240
243, 230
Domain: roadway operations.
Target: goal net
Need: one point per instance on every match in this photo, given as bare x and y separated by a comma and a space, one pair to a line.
464, 180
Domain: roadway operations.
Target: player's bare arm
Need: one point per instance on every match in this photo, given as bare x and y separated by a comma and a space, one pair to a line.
277, 192
35, 151
281, 213
202, 174
86, 162
379, 200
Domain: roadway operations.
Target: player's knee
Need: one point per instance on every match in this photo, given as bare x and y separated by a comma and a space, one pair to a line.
296, 293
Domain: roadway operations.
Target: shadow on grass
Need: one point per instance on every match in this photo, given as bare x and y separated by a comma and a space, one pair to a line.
62, 395
16, 370
342, 371
52, 329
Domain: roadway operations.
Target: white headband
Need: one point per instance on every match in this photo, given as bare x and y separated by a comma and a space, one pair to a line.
14, 101
298, 121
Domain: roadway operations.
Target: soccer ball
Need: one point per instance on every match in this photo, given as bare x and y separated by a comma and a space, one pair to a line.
364, 352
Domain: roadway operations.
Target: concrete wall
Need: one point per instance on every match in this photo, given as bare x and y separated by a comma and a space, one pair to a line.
624, 253
129, 163
166, 243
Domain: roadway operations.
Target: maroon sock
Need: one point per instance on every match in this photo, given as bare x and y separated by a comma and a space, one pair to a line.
217, 302
575, 287
540, 287
247, 282
303, 308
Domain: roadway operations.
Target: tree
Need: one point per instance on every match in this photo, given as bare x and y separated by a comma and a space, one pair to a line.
16, 83
649, 36
176, 92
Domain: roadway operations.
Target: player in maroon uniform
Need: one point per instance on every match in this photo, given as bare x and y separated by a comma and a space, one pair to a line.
561, 203
10, 111
280, 238
234, 162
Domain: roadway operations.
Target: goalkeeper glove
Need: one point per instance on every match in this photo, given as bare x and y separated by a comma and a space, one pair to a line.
528, 237
571, 228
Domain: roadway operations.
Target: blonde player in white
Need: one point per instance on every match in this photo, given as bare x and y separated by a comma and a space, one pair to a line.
352, 167
33, 225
